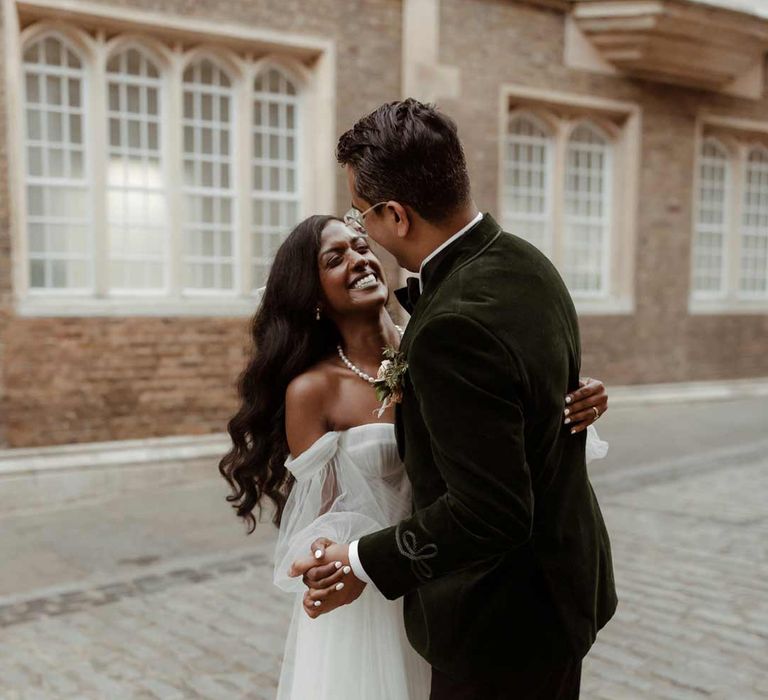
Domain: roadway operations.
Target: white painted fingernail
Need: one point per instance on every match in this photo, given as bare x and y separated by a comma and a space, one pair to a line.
339, 586
573, 432
318, 553
567, 411
347, 569
338, 564
567, 420
317, 603
568, 399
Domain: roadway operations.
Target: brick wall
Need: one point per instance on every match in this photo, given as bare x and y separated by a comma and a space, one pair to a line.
79, 380
497, 41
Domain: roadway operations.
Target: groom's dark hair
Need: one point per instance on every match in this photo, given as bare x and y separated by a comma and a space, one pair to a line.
408, 152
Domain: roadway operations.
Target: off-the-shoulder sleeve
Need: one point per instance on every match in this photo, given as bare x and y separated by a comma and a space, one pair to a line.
315, 458
330, 498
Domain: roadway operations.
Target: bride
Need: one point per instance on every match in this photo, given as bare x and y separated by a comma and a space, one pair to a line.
310, 439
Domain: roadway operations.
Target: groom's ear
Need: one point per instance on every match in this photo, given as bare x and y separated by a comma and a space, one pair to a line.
401, 217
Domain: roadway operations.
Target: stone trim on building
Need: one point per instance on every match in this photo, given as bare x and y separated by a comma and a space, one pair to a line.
671, 41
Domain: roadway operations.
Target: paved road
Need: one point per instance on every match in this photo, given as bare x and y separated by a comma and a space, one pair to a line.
162, 596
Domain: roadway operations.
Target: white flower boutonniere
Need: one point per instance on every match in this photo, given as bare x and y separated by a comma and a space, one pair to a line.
389, 380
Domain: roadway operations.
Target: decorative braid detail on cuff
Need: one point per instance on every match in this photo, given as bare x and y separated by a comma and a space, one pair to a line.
408, 547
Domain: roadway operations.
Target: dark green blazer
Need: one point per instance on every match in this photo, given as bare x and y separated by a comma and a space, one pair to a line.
506, 560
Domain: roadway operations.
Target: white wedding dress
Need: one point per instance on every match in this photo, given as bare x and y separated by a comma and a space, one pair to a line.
349, 484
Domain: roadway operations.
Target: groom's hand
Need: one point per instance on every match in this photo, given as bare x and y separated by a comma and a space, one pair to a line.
328, 577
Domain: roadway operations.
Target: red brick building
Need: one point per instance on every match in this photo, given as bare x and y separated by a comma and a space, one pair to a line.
156, 153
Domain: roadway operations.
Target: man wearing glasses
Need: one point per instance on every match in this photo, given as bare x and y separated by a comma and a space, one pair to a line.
505, 564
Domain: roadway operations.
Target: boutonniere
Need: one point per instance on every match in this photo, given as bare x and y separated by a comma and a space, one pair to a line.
389, 380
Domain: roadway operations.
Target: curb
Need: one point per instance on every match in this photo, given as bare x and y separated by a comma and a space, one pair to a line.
636, 394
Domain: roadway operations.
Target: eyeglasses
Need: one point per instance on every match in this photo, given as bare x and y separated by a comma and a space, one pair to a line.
355, 218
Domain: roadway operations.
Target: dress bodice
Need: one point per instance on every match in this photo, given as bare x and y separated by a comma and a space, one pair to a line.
371, 447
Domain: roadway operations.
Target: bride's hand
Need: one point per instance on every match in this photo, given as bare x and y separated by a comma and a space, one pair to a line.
585, 405
326, 593
328, 577
316, 568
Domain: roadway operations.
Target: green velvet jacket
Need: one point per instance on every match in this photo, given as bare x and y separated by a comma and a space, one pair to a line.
506, 561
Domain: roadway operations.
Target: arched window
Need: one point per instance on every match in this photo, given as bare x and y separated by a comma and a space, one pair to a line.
587, 213
208, 187
754, 225
711, 227
137, 211
157, 174
275, 166
59, 226
527, 175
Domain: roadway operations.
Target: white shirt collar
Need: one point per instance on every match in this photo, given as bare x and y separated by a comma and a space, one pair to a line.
443, 246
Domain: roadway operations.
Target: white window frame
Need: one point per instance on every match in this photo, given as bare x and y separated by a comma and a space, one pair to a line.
69, 43
238, 77
621, 121
605, 268
311, 61
549, 129
726, 149
738, 136
159, 56
750, 149
263, 67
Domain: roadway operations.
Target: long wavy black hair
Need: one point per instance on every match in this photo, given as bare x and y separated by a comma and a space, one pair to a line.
287, 340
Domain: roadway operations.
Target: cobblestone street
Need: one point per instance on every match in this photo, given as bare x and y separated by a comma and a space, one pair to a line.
161, 596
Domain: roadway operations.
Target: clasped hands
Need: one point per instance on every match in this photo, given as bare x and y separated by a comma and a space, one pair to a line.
328, 577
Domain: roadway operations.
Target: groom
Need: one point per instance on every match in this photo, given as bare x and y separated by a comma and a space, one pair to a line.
505, 564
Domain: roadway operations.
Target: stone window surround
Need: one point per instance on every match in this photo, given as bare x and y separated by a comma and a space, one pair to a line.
313, 60
737, 135
622, 121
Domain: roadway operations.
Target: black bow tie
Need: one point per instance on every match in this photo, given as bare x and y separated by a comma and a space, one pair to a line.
409, 295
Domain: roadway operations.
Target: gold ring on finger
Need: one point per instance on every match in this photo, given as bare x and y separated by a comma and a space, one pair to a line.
597, 413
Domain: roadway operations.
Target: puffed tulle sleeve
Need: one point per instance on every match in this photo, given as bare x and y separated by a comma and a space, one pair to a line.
596, 448
330, 498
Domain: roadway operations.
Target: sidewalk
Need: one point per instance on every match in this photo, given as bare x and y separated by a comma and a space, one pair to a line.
161, 595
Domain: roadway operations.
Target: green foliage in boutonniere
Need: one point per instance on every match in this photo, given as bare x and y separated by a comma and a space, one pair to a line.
389, 380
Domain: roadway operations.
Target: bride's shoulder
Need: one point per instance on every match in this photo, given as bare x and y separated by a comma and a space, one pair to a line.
306, 401
311, 385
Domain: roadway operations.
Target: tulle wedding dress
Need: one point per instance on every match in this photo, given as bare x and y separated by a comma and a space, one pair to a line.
349, 484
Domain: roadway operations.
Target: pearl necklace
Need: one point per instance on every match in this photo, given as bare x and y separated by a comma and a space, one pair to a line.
354, 368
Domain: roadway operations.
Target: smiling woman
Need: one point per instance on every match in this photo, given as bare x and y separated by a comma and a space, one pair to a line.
312, 438
326, 289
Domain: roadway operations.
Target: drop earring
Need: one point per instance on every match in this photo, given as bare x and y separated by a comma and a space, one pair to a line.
317, 313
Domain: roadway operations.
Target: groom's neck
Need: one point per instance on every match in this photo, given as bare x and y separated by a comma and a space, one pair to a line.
435, 234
